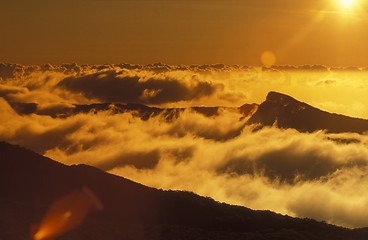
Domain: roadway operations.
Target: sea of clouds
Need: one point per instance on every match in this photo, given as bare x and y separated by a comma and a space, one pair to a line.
314, 175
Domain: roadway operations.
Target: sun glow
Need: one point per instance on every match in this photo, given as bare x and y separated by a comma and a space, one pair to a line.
347, 3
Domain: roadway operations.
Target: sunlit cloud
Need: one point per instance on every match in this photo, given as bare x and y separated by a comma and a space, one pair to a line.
220, 157
217, 155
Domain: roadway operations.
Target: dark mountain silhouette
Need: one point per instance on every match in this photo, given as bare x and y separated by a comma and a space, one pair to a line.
138, 110
278, 109
30, 183
24, 108
248, 109
286, 112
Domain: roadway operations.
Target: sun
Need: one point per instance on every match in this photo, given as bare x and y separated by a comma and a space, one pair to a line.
347, 3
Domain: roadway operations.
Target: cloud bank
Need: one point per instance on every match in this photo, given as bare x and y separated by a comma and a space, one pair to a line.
110, 87
300, 174
334, 89
315, 175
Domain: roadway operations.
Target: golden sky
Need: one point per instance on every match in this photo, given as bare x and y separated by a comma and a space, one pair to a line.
325, 32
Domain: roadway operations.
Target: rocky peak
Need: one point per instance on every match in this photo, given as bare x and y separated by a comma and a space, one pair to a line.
288, 112
276, 97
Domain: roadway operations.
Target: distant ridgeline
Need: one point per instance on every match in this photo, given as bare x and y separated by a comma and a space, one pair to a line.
31, 182
278, 110
139, 110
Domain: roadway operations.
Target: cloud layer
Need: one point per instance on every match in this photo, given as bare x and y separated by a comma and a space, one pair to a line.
340, 90
315, 175
300, 174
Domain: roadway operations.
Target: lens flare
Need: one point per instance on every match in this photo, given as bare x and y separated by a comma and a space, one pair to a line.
66, 213
268, 58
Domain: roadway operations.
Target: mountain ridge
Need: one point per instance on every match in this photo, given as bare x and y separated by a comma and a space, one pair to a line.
286, 112
138, 110
282, 109
30, 182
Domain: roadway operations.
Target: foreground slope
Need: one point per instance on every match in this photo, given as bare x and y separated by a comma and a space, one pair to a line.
31, 182
286, 112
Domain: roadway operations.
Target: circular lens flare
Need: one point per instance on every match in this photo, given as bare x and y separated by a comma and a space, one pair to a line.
268, 58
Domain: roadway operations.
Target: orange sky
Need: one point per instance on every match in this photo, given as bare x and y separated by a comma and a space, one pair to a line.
174, 32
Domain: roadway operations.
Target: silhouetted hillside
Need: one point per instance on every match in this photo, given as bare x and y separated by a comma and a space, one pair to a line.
30, 183
286, 112
139, 110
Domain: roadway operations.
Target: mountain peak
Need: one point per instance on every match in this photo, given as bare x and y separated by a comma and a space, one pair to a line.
279, 97
288, 112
